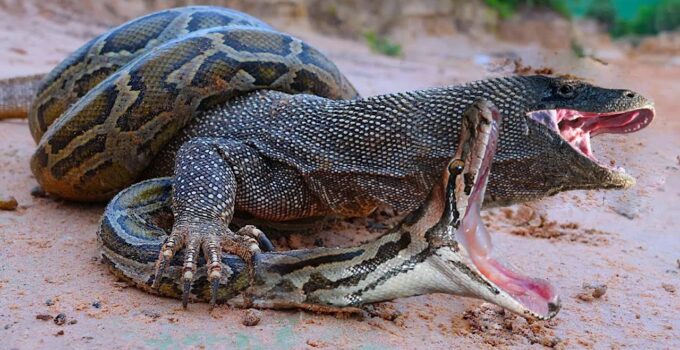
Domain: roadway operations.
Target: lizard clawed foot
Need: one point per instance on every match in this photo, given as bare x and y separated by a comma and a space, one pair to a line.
263, 241
212, 239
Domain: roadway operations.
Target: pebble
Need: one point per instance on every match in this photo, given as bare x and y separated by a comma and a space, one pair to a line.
592, 292
669, 287
151, 314
43, 317
599, 291
8, 203
251, 317
60, 319
38, 192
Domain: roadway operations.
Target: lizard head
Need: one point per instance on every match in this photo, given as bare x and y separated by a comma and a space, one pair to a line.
562, 114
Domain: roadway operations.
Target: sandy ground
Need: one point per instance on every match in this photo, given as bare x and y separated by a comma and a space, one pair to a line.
627, 241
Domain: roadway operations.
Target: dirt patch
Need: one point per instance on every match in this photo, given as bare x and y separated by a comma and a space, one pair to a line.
525, 221
497, 327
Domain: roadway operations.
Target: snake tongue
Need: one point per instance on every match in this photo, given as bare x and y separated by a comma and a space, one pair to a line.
527, 295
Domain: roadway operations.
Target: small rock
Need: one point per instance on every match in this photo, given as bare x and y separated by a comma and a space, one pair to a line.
315, 343
599, 291
60, 319
669, 287
251, 318
49, 302
74, 321
60, 333
550, 341
386, 311
8, 203
96, 304
591, 292
43, 317
38, 192
151, 314
121, 284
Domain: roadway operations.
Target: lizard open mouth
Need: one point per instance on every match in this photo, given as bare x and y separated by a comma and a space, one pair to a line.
577, 127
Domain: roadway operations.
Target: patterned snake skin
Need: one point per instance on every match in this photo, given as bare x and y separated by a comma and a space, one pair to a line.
137, 85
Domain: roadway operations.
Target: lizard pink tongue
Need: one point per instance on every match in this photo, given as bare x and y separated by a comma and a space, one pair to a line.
535, 294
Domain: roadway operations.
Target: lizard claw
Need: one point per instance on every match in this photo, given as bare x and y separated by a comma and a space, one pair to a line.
214, 286
185, 292
212, 240
263, 241
170, 247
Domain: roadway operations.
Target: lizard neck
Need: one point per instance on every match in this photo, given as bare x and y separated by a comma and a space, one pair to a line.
430, 118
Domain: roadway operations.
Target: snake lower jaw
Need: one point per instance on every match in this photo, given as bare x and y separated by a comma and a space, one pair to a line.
534, 298
446, 269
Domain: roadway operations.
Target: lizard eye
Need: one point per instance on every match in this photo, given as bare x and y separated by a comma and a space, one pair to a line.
566, 90
456, 167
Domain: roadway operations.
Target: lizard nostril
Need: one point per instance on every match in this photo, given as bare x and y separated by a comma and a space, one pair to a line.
629, 94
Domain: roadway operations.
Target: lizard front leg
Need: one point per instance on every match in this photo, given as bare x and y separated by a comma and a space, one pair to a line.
204, 196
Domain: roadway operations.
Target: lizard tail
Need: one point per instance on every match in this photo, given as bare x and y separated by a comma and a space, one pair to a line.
16, 95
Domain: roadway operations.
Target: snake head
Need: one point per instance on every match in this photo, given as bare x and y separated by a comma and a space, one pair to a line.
464, 259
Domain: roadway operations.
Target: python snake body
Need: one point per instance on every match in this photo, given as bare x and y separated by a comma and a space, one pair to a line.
121, 97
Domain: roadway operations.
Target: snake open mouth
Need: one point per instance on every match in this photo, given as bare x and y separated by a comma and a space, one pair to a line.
516, 291
577, 127
532, 296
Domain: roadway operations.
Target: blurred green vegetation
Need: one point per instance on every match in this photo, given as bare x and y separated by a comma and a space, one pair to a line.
381, 44
508, 8
620, 17
649, 20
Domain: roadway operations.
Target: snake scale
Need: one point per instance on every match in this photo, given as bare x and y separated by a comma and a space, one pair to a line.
234, 119
138, 84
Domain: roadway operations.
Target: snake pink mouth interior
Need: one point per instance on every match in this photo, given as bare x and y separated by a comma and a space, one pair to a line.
535, 294
578, 127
